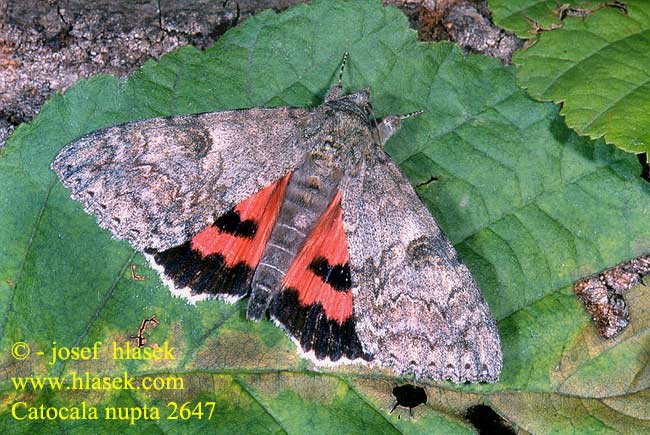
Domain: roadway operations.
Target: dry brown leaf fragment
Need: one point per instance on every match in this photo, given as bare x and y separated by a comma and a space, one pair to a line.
602, 294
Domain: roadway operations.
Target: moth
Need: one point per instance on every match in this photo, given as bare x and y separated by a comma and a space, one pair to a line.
301, 210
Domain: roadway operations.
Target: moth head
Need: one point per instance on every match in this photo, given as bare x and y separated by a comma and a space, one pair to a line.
360, 98
357, 103
351, 110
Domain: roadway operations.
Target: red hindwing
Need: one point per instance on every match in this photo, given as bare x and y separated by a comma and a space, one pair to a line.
261, 210
320, 273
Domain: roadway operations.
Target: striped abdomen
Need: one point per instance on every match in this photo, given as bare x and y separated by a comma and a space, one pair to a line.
307, 196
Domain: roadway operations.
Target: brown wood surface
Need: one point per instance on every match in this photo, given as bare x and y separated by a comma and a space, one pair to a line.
47, 45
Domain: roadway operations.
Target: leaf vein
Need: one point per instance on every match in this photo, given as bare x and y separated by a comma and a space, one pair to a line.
244, 386
30, 242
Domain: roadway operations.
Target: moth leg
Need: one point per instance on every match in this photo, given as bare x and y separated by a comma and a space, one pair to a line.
390, 124
336, 91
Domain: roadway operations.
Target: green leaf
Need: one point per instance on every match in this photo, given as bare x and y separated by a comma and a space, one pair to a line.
597, 66
529, 205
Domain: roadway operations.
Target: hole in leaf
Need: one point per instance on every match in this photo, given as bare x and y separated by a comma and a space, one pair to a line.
409, 396
486, 421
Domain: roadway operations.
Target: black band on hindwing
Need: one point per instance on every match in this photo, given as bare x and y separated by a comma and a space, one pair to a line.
337, 276
230, 222
311, 327
210, 275
186, 268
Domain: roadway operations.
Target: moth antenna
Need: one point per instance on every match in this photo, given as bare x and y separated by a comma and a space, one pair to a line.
336, 91
408, 115
343, 62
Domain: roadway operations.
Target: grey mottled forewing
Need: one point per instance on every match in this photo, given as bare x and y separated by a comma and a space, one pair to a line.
417, 308
159, 181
